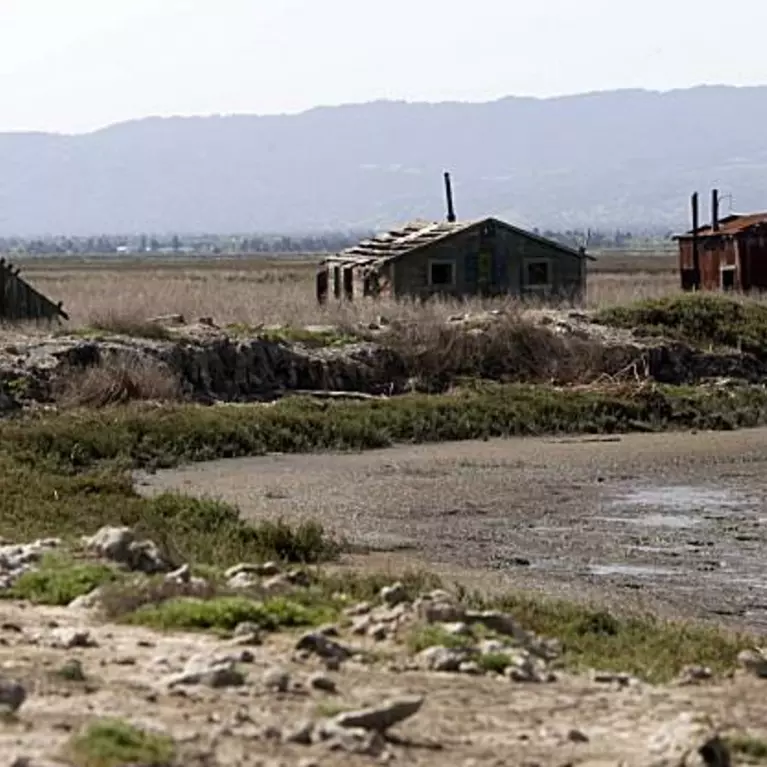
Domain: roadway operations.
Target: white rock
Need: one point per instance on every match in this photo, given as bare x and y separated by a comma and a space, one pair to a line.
382, 717
441, 659
277, 679
69, 638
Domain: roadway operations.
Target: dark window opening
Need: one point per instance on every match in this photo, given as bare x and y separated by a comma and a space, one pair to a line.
728, 279
538, 274
337, 281
441, 273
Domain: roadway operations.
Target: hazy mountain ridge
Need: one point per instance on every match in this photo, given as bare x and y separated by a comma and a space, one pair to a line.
621, 158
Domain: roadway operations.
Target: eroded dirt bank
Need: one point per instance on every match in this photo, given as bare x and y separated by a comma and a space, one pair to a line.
671, 522
219, 364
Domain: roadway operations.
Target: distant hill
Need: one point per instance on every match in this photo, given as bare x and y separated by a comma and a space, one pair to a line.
622, 158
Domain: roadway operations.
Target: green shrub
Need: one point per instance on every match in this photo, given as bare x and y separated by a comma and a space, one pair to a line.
114, 743
59, 581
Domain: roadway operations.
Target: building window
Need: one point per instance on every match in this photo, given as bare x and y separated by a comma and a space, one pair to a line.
538, 274
727, 274
441, 274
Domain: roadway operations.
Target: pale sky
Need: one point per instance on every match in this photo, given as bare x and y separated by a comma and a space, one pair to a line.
77, 65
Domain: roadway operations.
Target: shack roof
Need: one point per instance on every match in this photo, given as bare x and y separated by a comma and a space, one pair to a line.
391, 245
735, 223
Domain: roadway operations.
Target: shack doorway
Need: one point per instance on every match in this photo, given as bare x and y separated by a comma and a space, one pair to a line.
727, 278
322, 286
349, 283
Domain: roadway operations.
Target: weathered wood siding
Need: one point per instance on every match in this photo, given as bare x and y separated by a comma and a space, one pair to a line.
490, 262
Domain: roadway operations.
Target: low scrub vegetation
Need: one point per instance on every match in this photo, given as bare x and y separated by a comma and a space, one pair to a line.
502, 348
130, 325
59, 580
115, 743
225, 613
67, 474
702, 320
643, 645
117, 379
141, 436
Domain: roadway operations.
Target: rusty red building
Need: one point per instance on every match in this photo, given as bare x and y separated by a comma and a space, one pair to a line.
727, 254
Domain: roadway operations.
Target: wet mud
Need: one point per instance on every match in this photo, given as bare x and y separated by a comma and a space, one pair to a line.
674, 523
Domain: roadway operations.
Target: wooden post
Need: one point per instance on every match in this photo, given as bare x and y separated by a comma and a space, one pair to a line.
3, 275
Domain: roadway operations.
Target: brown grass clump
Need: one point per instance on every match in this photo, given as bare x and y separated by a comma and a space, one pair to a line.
129, 324
504, 348
118, 379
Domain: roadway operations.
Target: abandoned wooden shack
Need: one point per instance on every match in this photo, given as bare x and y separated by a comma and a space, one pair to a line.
20, 302
483, 257
729, 253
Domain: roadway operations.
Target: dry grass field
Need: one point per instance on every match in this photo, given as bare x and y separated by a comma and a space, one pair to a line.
274, 291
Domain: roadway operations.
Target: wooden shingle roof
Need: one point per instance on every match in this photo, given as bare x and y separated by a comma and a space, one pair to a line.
385, 247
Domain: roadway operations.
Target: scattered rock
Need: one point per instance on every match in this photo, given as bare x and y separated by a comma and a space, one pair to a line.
119, 545
277, 680
351, 740
754, 662
355, 611
182, 575
243, 581
12, 695
266, 570
470, 667
382, 717
215, 673
87, 601
441, 658
68, 639
378, 632
72, 671
247, 633
321, 645
695, 674
394, 594
323, 683
301, 734
688, 741
440, 610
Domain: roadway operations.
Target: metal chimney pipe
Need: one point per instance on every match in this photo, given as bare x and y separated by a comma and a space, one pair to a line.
715, 210
449, 196
695, 227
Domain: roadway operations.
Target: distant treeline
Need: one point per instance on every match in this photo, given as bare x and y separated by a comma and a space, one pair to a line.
260, 243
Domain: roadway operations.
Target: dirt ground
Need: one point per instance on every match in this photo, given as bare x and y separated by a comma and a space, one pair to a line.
465, 720
675, 523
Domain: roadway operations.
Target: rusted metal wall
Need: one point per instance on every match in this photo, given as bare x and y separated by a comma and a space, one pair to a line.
753, 256
20, 302
747, 252
713, 254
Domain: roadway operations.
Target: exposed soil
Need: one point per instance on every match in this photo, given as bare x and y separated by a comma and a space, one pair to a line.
673, 522
465, 720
